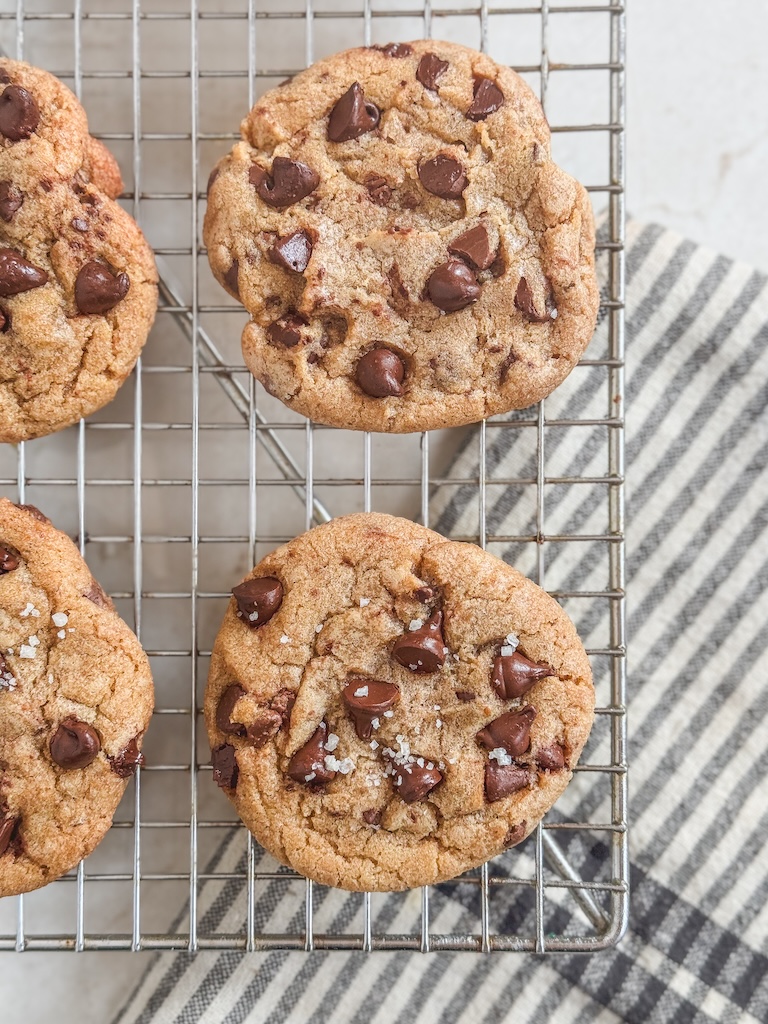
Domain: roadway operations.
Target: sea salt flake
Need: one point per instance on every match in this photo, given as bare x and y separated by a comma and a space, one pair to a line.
364, 601
439, 723
285, 639
507, 650
388, 714
374, 744
374, 723
308, 778
420, 762
455, 657
26, 652
27, 611
412, 668
346, 766
452, 760
332, 742
319, 627
499, 754
34, 642
35, 613
61, 634
415, 624
436, 707
361, 691
253, 616
60, 619
430, 765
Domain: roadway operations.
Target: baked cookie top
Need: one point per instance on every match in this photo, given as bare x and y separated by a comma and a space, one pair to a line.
75, 699
387, 708
409, 254
77, 279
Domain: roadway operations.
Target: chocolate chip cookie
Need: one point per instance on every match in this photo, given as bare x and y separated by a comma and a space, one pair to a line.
78, 285
408, 252
387, 708
75, 699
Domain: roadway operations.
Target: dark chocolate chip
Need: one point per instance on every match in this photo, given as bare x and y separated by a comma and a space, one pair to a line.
474, 246
7, 827
35, 512
515, 835
430, 69
425, 594
423, 649
282, 703
289, 182
511, 731
498, 267
394, 49
224, 710
372, 816
211, 178
225, 769
98, 288
19, 113
9, 560
308, 763
514, 675
453, 286
5, 78
504, 779
258, 600
292, 252
465, 696
488, 97
352, 116
414, 783
378, 189
231, 278
127, 761
525, 303
443, 176
366, 699
11, 199
17, 274
5, 320
380, 373
551, 758
287, 330
97, 595
507, 362
266, 725
75, 744
79, 224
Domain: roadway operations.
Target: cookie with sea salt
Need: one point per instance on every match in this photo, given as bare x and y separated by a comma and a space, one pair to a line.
408, 252
78, 284
76, 696
387, 708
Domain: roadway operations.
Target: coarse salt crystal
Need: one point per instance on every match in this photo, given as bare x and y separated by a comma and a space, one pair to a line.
374, 723
253, 616
34, 642
374, 744
507, 650
436, 707
430, 765
318, 627
332, 742
412, 668
61, 634
27, 611
35, 613
308, 778
346, 766
415, 624
60, 619
553, 314
26, 651
455, 657
499, 754
285, 639
420, 762
361, 691
388, 714
451, 760
439, 723
364, 601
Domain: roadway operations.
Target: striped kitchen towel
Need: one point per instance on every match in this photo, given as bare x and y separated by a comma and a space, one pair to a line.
697, 947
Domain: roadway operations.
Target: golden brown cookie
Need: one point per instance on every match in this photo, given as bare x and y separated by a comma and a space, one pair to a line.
78, 284
409, 254
387, 708
75, 699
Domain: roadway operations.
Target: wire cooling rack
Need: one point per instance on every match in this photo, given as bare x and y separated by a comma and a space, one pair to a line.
193, 473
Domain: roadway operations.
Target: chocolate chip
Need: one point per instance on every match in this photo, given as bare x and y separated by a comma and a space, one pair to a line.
525, 303
372, 816
282, 703
127, 761
511, 731
75, 744
8, 825
488, 97
474, 246
551, 758
225, 769
98, 288
266, 725
287, 330
352, 116
224, 710
17, 274
504, 779
289, 182
515, 835
292, 252
380, 373
19, 113
5, 78
506, 363
35, 512
11, 199
211, 178
465, 696
430, 69
79, 224
308, 763
366, 699
97, 595
498, 267
378, 189
414, 783
514, 675
231, 278
9, 560
5, 320
422, 649
394, 49
258, 600
443, 176
453, 286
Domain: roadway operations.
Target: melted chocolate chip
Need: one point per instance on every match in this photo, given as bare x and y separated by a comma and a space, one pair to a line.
19, 113
488, 97
514, 675
75, 744
511, 731
352, 116
394, 49
378, 190
232, 278
17, 274
515, 835
79, 224
127, 761
414, 783
5, 320
372, 816
289, 182
551, 758
98, 288
224, 710
504, 779
366, 699
287, 330
292, 252
465, 696
8, 825
308, 763
453, 286
380, 373
225, 769
443, 176
9, 560
5, 78
430, 69
424, 594
525, 303
423, 649
282, 703
97, 595
11, 199
258, 600
474, 246
266, 725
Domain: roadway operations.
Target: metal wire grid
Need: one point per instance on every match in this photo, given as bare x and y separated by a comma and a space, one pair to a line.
119, 876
